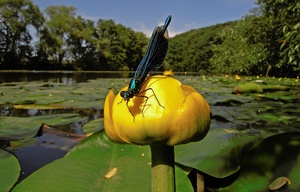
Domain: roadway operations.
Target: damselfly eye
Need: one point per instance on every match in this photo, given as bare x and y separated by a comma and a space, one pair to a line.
122, 93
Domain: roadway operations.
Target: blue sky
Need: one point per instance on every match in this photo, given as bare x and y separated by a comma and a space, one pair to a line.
144, 15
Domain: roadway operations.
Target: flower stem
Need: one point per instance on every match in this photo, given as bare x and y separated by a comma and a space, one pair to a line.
163, 170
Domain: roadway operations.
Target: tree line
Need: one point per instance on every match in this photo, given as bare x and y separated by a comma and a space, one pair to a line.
62, 39
265, 41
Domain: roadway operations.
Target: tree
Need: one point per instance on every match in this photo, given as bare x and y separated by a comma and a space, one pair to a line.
191, 51
242, 50
291, 41
16, 18
282, 37
119, 48
61, 26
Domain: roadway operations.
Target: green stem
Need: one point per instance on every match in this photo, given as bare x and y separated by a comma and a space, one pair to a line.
163, 169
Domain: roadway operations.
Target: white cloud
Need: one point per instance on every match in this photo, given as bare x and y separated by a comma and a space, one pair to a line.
148, 32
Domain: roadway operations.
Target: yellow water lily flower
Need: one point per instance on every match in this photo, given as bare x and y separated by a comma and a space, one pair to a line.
164, 112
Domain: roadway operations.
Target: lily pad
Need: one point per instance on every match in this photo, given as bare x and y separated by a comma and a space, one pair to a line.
13, 128
278, 118
248, 87
39, 106
219, 154
97, 164
275, 157
44, 99
93, 126
10, 170
279, 96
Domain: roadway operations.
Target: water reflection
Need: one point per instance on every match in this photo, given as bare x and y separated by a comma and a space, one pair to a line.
68, 81
66, 77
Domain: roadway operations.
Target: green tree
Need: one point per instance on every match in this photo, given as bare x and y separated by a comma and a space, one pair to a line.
281, 35
119, 48
16, 18
82, 45
62, 26
191, 51
242, 50
291, 41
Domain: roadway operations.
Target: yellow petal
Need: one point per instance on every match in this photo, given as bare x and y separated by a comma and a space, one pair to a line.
108, 124
278, 183
192, 121
110, 173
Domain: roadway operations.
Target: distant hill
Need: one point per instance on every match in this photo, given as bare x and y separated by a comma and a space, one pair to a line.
191, 51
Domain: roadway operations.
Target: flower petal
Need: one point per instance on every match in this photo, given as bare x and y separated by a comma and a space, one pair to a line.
192, 121
108, 124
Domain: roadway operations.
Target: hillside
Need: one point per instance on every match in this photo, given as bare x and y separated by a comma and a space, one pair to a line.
191, 51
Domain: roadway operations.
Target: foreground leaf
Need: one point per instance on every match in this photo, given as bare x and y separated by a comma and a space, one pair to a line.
219, 154
85, 167
10, 170
276, 156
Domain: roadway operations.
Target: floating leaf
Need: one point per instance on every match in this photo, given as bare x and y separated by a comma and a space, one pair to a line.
273, 157
13, 128
93, 126
278, 118
219, 154
84, 168
35, 106
272, 88
278, 96
248, 88
44, 99
10, 170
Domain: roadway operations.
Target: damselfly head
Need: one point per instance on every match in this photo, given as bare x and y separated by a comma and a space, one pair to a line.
127, 94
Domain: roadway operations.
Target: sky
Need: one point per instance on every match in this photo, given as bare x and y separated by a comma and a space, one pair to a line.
145, 15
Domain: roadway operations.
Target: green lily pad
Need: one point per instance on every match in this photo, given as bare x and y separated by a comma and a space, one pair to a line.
97, 164
39, 106
276, 156
59, 119
278, 96
44, 99
278, 118
219, 154
272, 88
88, 104
248, 87
10, 170
13, 128
93, 126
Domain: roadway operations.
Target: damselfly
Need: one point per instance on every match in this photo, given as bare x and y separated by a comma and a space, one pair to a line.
151, 62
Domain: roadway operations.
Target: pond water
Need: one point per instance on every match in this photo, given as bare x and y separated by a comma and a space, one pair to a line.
274, 110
